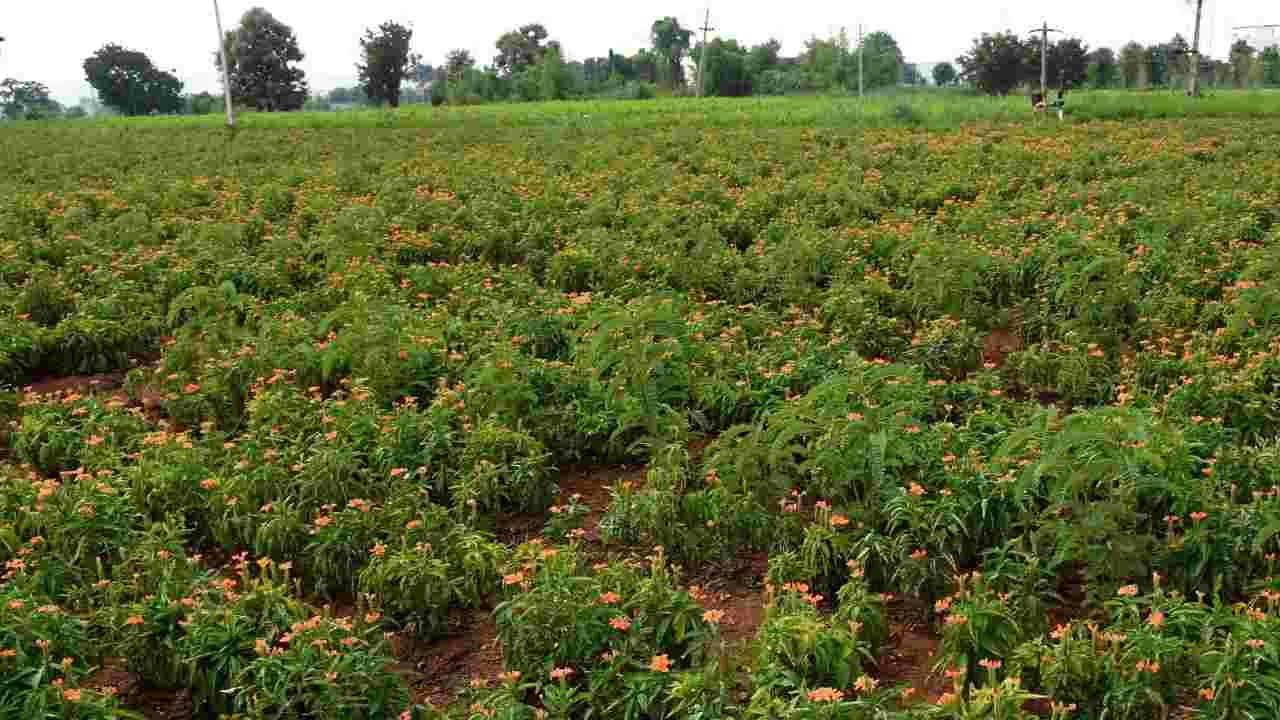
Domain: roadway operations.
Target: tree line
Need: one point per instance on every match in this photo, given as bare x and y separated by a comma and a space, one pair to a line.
1001, 63
263, 54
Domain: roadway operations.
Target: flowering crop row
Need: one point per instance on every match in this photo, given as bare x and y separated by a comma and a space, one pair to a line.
1020, 385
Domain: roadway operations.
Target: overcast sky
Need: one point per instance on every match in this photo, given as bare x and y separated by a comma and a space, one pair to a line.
47, 40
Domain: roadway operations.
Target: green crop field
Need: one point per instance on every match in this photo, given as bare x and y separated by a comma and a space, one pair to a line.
918, 407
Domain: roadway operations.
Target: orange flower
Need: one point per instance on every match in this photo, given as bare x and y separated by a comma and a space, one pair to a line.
990, 664
71, 695
620, 623
839, 521
561, 673
660, 663
1128, 591
713, 616
379, 550
610, 598
918, 490
134, 620
513, 579
825, 694
1156, 619
1197, 516
1207, 694
1256, 644
920, 554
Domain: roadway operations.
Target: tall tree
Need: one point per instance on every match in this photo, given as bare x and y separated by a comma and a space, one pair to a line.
457, 63
520, 49
672, 43
995, 63
1179, 58
829, 63
1102, 68
1069, 62
1241, 60
882, 60
1271, 65
646, 63
552, 78
1133, 60
128, 82
763, 56
261, 53
26, 100
944, 74
726, 68
387, 61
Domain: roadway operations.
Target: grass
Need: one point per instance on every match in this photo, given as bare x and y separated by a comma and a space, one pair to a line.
931, 109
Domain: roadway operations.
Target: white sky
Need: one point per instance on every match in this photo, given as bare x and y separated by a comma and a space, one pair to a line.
47, 40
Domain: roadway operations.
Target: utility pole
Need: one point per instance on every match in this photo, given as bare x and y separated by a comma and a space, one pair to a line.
226, 72
1044, 31
702, 58
1193, 82
862, 54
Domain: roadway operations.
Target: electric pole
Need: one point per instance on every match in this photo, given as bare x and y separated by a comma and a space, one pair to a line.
702, 58
1044, 31
226, 72
1193, 82
861, 55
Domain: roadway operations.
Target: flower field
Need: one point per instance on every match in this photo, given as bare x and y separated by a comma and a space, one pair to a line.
558, 421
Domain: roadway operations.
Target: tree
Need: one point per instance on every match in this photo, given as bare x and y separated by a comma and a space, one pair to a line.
1102, 69
128, 82
882, 60
387, 61
260, 57
671, 42
763, 57
995, 63
26, 100
1133, 60
1241, 60
828, 63
457, 63
726, 68
646, 63
520, 49
551, 75
944, 74
439, 87
1271, 65
1069, 62
1178, 52
203, 103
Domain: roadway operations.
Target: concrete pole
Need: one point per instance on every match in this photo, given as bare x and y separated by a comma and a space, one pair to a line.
226, 72
1193, 82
